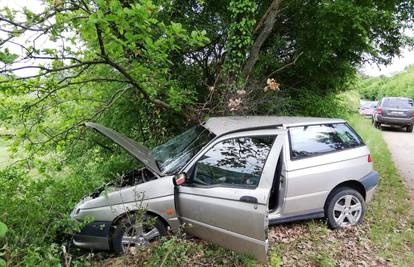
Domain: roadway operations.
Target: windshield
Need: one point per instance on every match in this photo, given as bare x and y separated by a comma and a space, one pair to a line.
397, 103
174, 154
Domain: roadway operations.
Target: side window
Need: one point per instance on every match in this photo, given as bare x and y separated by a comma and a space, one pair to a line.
233, 162
347, 135
313, 140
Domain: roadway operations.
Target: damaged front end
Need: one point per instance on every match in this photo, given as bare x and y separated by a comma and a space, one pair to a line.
130, 178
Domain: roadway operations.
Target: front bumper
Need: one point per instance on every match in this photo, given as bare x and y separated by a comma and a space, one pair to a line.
395, 121
94, 236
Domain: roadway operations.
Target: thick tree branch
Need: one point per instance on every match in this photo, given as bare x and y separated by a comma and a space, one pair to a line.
266, 24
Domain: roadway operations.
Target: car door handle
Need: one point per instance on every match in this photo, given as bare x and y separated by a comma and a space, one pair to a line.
249, 199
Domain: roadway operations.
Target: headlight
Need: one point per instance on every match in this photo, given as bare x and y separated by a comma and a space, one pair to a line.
74, 212
77, 208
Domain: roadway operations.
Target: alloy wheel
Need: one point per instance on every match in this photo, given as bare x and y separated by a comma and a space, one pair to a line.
138, 236
347, 210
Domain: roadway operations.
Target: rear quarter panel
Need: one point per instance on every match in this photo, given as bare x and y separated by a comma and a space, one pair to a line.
310, 180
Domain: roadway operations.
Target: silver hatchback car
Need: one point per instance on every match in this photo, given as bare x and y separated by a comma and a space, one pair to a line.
227, 179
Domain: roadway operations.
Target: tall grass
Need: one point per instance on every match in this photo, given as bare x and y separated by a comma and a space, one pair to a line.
389, 215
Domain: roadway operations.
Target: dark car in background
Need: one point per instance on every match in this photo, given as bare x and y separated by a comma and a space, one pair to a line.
395, 111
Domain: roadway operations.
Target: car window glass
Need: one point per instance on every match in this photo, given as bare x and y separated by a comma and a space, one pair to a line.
369, 105
348, 137
397, 103
233, 162
313, 140
175, 153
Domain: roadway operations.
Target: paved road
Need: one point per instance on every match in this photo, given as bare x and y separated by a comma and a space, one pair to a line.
401, 145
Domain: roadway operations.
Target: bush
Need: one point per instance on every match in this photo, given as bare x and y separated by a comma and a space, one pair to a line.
36, 212
308, 103
401, 84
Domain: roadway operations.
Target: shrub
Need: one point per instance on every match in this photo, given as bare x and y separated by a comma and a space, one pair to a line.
308, 103
36, 212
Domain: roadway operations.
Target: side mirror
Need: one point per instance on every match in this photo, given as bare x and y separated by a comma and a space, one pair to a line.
179, 179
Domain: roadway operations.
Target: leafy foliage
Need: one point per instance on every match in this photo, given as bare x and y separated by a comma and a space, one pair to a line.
143, 67
239, 34
148, 68
401, 84
37, 215
3, 231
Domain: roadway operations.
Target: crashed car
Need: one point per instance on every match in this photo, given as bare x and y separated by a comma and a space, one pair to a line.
228, 178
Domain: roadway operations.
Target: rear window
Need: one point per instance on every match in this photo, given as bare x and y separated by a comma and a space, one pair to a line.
397, 103
369, 105
314, 140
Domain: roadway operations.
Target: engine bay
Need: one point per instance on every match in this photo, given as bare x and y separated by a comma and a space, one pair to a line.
129, 178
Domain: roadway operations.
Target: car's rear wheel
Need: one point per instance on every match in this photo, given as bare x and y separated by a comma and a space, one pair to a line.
345, 207
131, 233
410, 129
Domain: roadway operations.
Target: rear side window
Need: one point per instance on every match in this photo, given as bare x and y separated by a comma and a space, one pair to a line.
397, 103
314, 140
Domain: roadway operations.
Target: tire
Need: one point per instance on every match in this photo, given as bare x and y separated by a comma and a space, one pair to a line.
127, 227
342, 208
377, 125
409, 129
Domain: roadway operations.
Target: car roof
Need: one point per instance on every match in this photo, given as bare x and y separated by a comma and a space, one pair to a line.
223, 125
397, 97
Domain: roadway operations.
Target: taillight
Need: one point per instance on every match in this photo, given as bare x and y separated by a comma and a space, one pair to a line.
379, 110
369, 158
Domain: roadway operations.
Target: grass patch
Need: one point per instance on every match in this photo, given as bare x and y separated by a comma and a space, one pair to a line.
389, 215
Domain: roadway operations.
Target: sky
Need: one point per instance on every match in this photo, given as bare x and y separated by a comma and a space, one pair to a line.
397, 65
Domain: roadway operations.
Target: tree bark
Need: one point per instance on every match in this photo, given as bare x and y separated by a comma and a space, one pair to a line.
263, 29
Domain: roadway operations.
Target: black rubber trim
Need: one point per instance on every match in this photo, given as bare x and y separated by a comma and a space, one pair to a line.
370, 181
308, 216
97, 229
91, 242
266, 127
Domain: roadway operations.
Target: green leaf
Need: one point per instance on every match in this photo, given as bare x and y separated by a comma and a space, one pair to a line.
7, 57
3, 230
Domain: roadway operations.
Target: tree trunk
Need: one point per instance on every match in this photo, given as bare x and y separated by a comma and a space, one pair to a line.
263, 29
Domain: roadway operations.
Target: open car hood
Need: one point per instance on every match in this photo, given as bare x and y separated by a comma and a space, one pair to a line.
139, 151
